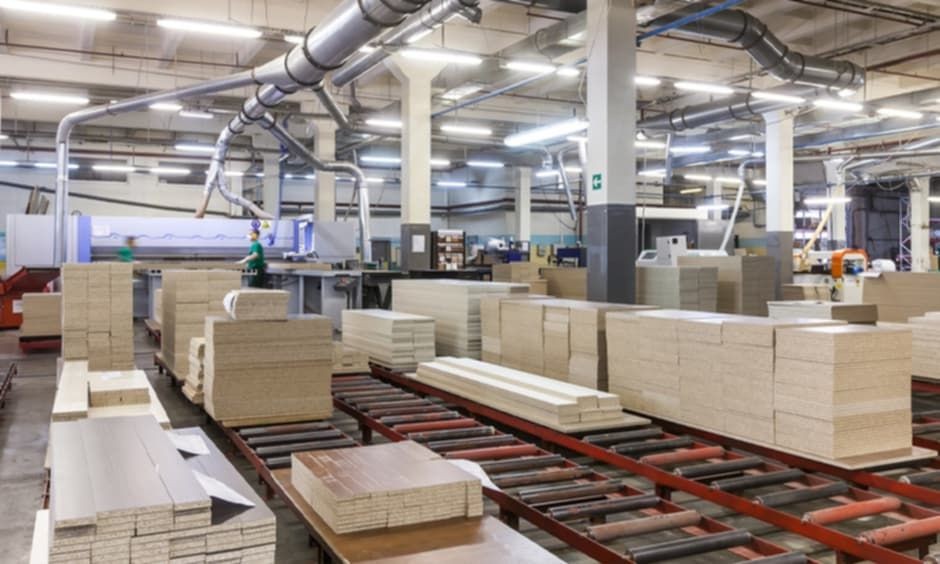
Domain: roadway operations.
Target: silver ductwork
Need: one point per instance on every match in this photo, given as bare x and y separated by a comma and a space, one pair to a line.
741, 28
569, 197
348, 27
296, 148
701, 115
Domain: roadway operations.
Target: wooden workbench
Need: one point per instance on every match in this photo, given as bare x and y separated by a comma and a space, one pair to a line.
455, 541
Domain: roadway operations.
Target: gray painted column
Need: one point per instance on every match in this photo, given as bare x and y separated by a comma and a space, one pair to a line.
523, 203
779, 149
920, 225
611, 174
325, 182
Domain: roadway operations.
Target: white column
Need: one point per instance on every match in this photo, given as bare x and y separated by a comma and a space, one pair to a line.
325, 183
523, 203
270, 183
611, 172
838, 227
920, 225
779, 150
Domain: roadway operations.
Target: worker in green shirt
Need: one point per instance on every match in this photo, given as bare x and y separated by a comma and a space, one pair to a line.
255, 260
126, 253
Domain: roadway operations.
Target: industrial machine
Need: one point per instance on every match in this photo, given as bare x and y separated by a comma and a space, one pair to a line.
669, 249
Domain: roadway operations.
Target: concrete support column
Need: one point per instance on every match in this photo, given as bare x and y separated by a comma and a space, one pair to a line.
415, 79
779, 149
271, 183
523, 203
325, 183
611, 172
920, 225
838, 227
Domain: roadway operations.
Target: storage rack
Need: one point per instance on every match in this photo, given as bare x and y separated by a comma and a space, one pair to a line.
448, 247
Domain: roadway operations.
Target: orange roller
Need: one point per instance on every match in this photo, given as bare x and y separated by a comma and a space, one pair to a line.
680, 456
894, 534
852, 510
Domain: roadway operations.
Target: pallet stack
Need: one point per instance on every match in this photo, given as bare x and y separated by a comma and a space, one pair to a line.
81, 394
192, 385
455, 307
678, 287
843, 391
392, 339
745, 283
189, 296
819, 309
42, 315
926, 345
491, 320
97, 315
384, 486
565, 282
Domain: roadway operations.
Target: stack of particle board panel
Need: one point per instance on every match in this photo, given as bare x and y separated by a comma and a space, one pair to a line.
347, 360
926, 345
678, 287
521, 344
82, 394
701, 398
898, 295
189, 296
806, 292
119, 491
795, 309
253, 304
745, 283
455, 307
523, 272
384, 486
567, 283
558, 405
97, 315
490, 323
42, 315
843, 391
158, 305
587, 361
259, 372
398, 341
192, 386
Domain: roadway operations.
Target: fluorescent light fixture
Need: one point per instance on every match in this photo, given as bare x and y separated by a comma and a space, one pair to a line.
366, 49
825, 201
739, 152
288, 176
419, 35
376, 159
830, 104
194, 148
698, 177
568, 71
467, 129
210, 28
898, 112
387, 123
195, 114
112, 168
485, 164
50, 98
703, 87
691, 190
8, 163
234, 173
440, 162
573, 169
53, 166
442, 56
728, 179
576, 37
759, 182
653, 173
646, 81
577, 138
295, 39
166, 107
451, 184
59, 10
170, 171
741, 137
546, 173
649, 145
309, 176
461, 91
531, 66
374, 180
846, 92
777, 97
641, 136
4, 137
934, 199
546, 132
690, 149
712, 207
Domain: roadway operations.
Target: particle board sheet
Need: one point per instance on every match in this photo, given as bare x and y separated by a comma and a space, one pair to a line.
557, 405
158, 305
851, 313
745, 283
490, 323
395, 340
42, 314
39, 549
384, 486
516, 272
898, 295
189, 296
455, 307
97, 314
192, 385
926, 345
347, 360
800, 292
258, 372
566, 283
836, 415
678, 287
254, 304
521, 343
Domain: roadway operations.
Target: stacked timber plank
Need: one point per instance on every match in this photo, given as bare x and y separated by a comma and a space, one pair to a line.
398, 341
384, 486
189, 296
587, 359
521, 272
843, 391
455, 307
260, 372
701, 396
252, 304
557, 405
347, 360
97, 315
678, 287
745, 283
521, 342
926, 345
566, 283
490, 323
898, 295
83, 394
192, 385
801, 292
796, 309
42, 315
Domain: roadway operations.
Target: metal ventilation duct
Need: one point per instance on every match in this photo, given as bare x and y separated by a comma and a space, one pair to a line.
701, 115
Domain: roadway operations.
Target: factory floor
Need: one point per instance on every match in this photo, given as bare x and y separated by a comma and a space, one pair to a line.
24, 428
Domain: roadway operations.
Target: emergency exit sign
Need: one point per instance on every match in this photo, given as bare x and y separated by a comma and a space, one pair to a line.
596, 182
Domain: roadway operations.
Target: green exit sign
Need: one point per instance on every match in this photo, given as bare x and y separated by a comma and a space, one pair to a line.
596, 182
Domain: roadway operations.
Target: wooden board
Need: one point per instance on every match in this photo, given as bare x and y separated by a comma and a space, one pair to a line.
678, 287
395, 340
72, 394
97, 315
347, 360
256, 304
745, 283
926, 345
566, 283
42, 314
797, 309
898, 295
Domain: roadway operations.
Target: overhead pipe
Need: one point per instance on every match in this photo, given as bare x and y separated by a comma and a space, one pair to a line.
701, 115
296, 148
560, 160
687, 19
743, 181
326, 47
